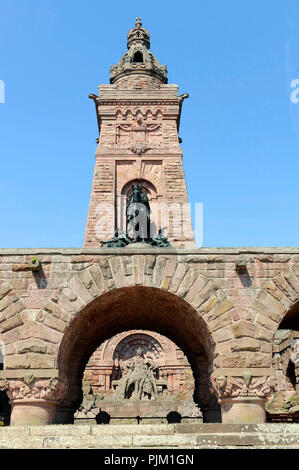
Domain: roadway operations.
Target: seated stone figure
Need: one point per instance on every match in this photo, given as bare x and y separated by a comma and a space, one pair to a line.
138, 381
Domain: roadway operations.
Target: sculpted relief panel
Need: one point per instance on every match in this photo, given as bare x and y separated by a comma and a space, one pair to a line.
138, 363
139, 136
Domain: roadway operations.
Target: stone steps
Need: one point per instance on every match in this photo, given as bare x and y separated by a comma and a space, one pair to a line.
204, 436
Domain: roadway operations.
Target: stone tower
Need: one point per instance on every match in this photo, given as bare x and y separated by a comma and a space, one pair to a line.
138, 118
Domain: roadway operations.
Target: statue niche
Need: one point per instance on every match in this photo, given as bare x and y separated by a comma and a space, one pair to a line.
138, 224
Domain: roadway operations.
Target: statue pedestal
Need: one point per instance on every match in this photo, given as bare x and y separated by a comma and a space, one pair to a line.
32, 412
149, 411
138, 245
243, 410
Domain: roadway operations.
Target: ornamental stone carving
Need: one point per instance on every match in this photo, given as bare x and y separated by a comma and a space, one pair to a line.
245, 386
139, 137
29, 387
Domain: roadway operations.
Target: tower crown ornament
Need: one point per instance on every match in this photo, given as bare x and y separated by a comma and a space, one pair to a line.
138, 60
138, 35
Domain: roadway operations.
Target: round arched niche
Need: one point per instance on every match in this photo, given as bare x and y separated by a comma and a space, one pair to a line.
153, 196
137, 308
106, 363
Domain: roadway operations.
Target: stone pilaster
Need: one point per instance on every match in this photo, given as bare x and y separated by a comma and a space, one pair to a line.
33, 399
243, 397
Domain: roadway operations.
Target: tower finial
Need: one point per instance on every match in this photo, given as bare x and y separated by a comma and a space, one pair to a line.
138, 22
138, 35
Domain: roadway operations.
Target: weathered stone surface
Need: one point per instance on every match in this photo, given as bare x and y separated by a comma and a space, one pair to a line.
30, 345
243, 328
30, 361
245, 344
11, 323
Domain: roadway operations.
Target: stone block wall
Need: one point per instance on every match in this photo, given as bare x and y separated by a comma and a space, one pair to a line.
53, 319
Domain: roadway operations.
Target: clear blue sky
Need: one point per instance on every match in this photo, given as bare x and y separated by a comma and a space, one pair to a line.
240, 129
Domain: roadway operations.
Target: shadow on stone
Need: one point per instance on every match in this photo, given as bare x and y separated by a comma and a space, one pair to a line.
40, 278
245, 278
173, 417
103, 418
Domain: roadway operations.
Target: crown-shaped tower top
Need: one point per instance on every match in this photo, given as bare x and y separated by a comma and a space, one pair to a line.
138, 60
138, 35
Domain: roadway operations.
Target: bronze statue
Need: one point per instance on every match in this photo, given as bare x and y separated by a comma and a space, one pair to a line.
138, 223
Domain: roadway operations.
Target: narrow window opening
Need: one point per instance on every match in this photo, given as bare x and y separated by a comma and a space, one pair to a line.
138, 57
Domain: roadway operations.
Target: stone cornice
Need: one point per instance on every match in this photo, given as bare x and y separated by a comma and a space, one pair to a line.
137, 101
151, 250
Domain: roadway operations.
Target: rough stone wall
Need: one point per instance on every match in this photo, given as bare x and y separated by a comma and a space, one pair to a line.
241, 311
195, 295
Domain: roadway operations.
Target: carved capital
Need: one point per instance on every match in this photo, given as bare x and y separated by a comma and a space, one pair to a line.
243, 386
30, 387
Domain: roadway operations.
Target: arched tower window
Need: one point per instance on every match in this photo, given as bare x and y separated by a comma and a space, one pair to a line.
138, 57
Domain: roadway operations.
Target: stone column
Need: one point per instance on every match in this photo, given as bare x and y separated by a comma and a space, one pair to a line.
243, 398
33, 400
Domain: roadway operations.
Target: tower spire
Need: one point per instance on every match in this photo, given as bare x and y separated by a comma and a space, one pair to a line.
138, 60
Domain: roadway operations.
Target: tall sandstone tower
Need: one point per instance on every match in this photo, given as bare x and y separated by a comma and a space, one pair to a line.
138, 118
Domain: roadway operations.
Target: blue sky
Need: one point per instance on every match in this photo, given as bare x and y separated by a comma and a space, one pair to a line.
240, 129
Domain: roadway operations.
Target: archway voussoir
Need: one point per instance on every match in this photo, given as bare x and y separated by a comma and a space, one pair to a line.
88, 282
285, 287
107, 274
6, 301
293, 280
260, 307
158, 270
5, 288
215, 323
197, 286
271, 302
264, 334
11, 323
79, 288
278, 294
203, 294
55, 323
266, 322
98, 278
11, 310
70, 302
138, 269
206, 308
178, 277
117, 272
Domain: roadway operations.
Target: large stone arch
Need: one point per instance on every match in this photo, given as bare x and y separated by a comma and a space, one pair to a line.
161, 272
96, 303
276, 298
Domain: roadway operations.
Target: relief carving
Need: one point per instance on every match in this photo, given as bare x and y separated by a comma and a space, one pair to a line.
139, 137
245, 386
29, 387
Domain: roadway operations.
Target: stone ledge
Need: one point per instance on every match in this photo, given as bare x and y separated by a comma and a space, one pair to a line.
151, 250
19, 373
204, 436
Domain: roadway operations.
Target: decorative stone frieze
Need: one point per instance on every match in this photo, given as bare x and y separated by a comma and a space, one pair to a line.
245, 386
30, 387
